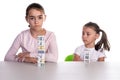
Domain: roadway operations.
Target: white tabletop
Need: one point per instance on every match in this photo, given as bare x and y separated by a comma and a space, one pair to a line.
60, 71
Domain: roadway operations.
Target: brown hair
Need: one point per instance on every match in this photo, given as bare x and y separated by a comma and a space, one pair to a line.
103, 41
34, 6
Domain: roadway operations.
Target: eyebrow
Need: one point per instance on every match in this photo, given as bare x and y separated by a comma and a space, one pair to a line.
34, 16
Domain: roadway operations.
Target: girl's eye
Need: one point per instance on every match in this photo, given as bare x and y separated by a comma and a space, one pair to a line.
83, 33
40, 17
31, 18
88, 34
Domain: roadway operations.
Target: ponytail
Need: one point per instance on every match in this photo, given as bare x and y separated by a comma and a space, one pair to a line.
103, 42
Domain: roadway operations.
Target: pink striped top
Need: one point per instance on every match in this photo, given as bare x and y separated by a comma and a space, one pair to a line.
27, 43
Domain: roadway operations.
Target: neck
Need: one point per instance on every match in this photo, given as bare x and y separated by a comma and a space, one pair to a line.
36, 33
90, 45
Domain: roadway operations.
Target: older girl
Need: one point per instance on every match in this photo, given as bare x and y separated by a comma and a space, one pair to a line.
27, 39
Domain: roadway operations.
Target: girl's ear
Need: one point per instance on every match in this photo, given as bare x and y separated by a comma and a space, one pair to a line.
97, 36
26, 18
44, 17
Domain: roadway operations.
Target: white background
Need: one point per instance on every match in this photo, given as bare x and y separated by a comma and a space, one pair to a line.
66, 19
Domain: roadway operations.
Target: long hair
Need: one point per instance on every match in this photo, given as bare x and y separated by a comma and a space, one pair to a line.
103, 43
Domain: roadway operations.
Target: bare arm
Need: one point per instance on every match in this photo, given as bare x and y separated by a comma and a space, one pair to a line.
101, 59
77, 57
30, 60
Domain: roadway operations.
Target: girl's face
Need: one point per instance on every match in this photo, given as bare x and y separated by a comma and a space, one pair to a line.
89, 36
35, 18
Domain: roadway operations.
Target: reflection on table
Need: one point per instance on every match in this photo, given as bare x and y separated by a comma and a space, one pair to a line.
60, 71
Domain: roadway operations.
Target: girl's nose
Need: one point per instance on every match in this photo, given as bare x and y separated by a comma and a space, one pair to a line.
36, 20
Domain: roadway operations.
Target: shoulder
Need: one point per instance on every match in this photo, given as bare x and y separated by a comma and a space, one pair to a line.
24, 33
100, 52
49, 34
79, 50
80, 47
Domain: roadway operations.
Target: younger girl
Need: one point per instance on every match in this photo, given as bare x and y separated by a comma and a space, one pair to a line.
90, 33
27, 39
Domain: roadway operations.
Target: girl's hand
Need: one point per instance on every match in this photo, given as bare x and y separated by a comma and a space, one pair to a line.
76, 58
101, 59
30, 60
21, 56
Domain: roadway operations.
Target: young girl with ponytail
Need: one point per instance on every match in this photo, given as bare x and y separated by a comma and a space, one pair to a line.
91, 32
